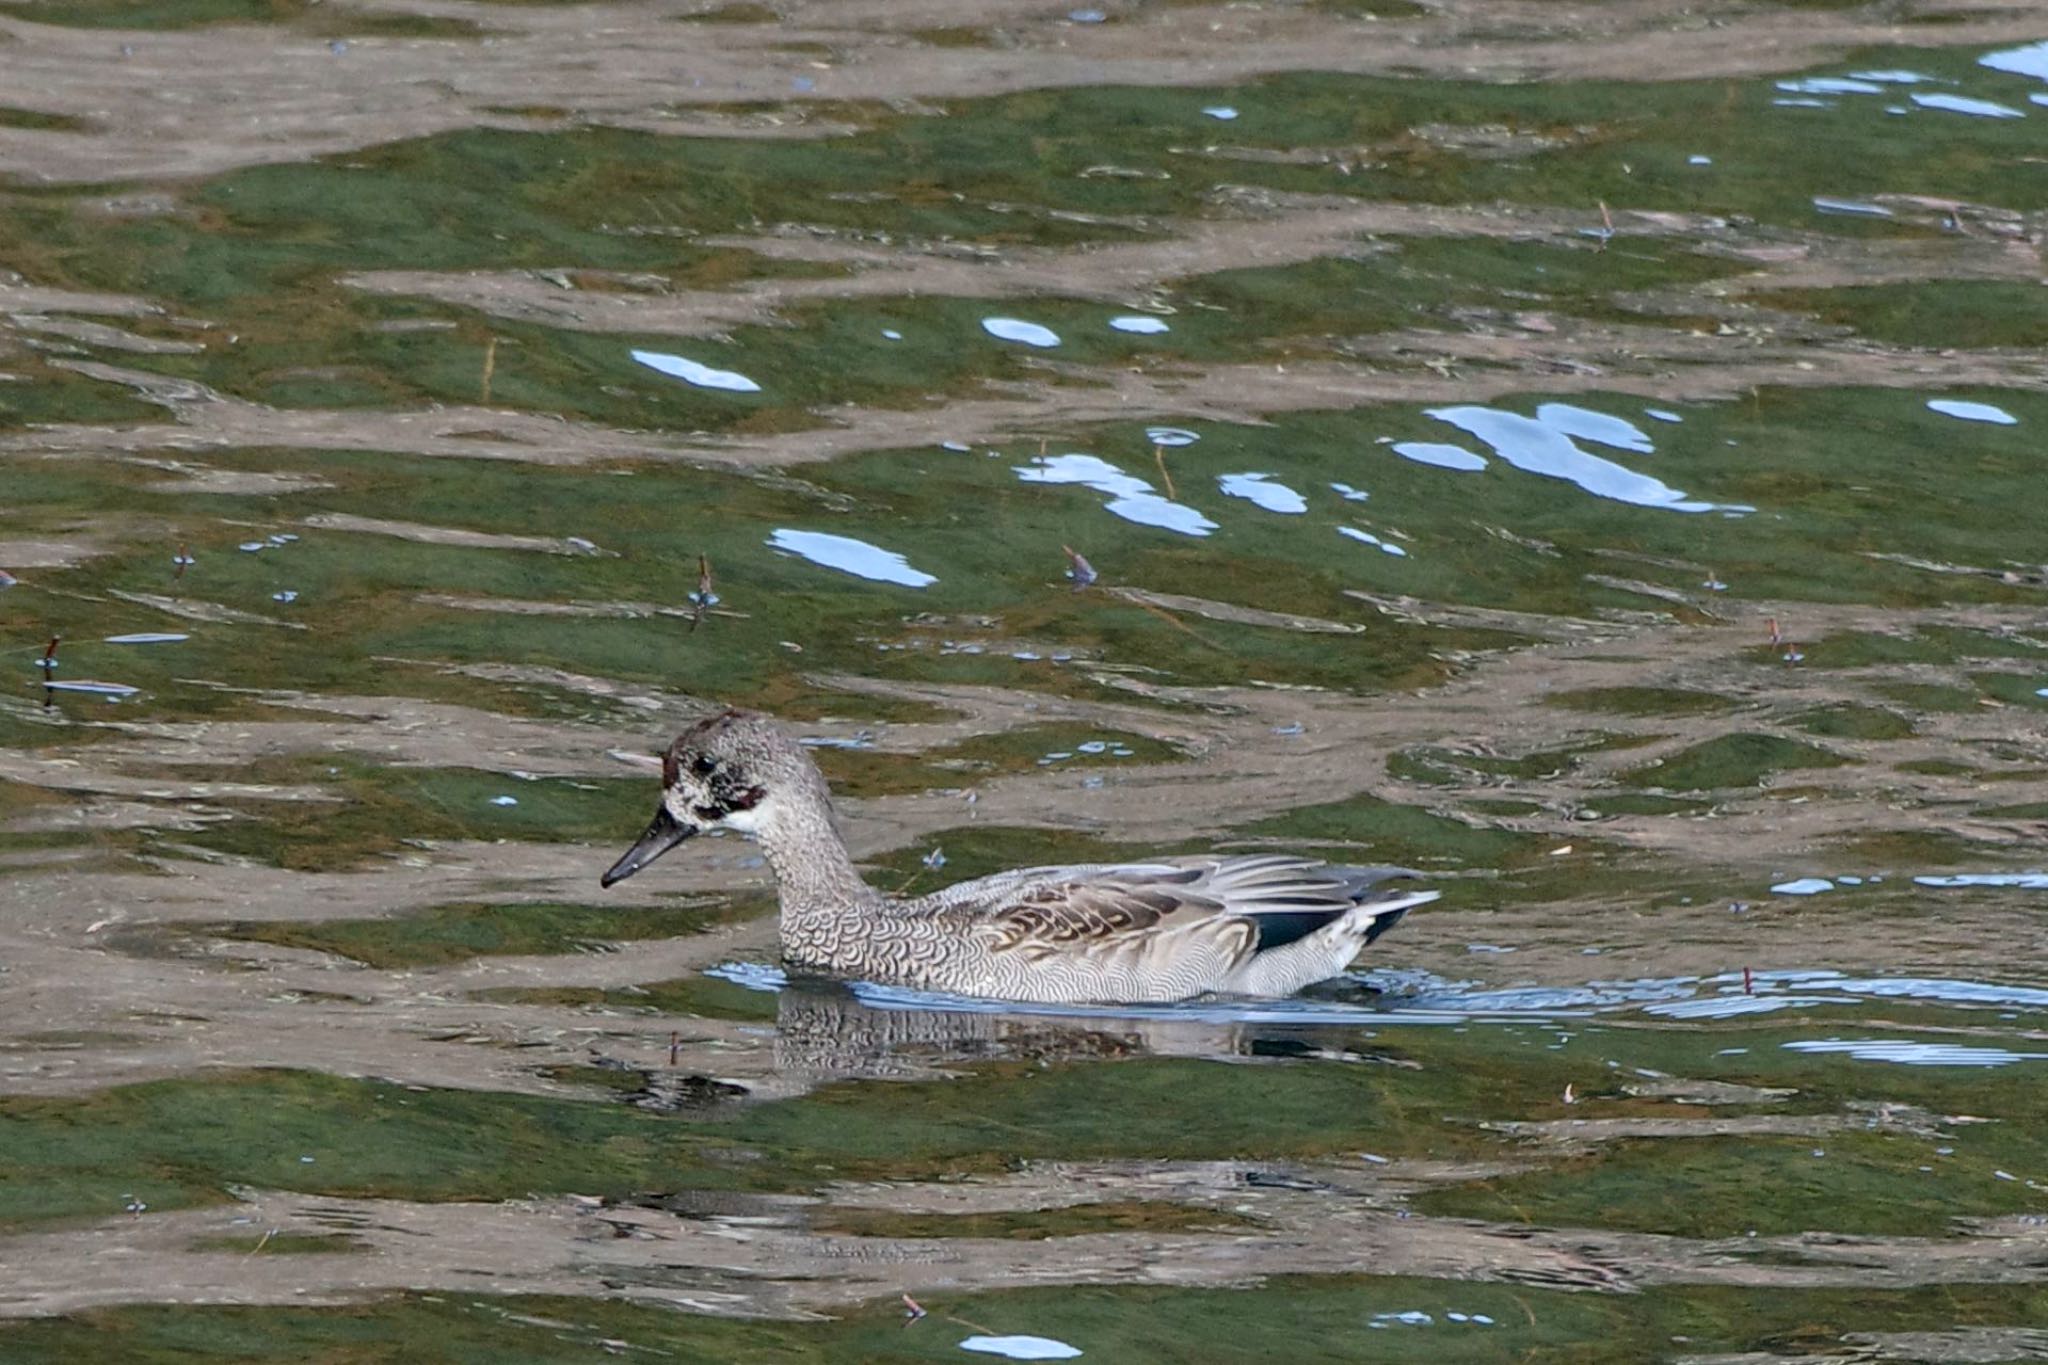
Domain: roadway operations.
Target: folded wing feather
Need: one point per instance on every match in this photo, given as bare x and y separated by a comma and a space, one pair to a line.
1236, 906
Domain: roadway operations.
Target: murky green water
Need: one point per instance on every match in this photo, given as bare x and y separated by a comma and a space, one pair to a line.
1532, 483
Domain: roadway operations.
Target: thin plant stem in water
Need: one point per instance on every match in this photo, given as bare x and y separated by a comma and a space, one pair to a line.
703, 592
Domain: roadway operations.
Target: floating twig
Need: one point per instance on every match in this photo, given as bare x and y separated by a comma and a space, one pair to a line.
675, 1045
912, 1310
1159, 458
183, 559
1078, 568
490, 366
704, 597
1748, 982
1163, 614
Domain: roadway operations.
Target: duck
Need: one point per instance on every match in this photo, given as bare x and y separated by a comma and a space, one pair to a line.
1153, 932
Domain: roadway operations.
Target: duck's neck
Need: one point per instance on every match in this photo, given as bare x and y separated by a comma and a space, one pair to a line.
813, 871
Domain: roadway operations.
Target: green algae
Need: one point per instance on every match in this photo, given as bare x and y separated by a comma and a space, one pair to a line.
1930, 696
1850, 1183
693, 995
445, 934
173, 15
183, 1143
1938, 313
368, 811
38, 121
1301, 1320
1293, 1318
1849, 720
1737, 760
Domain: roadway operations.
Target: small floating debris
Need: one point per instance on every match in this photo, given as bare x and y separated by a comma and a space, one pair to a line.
1021, 1347
848, 555
1348, 493
504, 800
1016, 329
1662, 415
251, 546
1963, 104
1802, 102
690, 372
1140, 324
285, 595
957, 447
148, 638
1412, 1318
1804, 886
1697, 160
1439, 454
1260, 491
935, 859
1973, 412
891, 334
1220, 111
97, 689
1170, 436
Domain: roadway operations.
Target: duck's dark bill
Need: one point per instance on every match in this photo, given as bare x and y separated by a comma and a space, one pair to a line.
663, 833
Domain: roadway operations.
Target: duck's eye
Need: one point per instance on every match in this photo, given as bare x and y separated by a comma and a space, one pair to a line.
704, 765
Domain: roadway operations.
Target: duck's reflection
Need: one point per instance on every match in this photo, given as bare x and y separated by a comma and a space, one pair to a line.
826, 1030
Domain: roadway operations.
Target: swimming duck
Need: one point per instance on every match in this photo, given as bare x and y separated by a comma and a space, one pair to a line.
1161, 930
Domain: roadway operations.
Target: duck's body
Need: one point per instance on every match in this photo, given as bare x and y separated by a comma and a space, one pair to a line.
1161, 930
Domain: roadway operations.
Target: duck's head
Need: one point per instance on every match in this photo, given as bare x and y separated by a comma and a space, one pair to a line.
721, 773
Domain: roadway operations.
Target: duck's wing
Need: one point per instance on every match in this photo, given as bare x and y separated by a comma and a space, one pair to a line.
1228, 907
